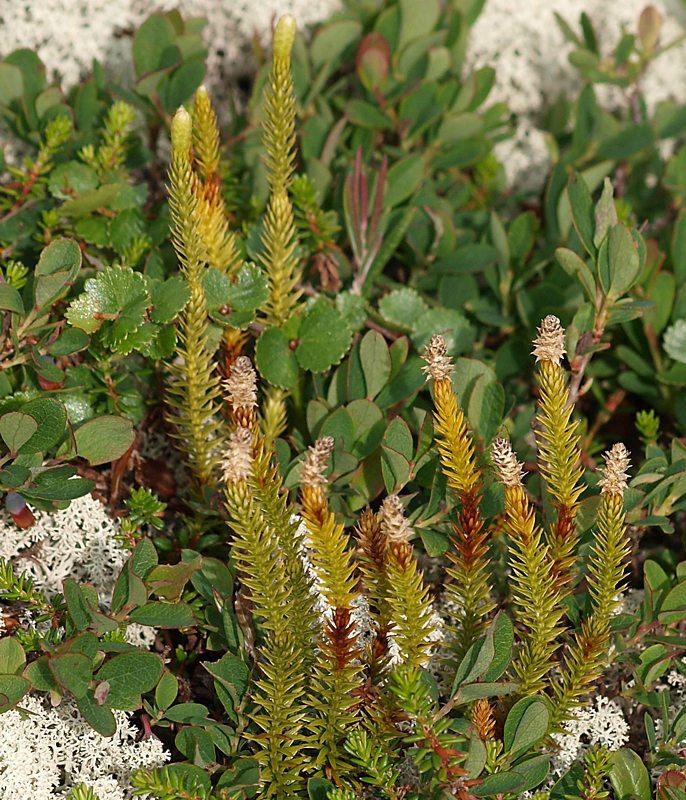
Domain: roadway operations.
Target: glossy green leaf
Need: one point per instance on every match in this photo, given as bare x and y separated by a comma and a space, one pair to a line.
41, 678
619, 263
11, 83
275, 360
71, 340
118, 296
373, 61
16, 429
533, 770
366, 115
678, 248
10, 299
583, 215
77, 605
73, 671
502, 631
575, 266
673, 608
12, 689
58, 265
376, 362
332, 40
474, 691
526, 724
97, 716
402, 307
129, 675
605, 213
12, 656
486, 407
499, 784
417, 19
324, 338
168, 298
231, 676
163, 615
104, 439
318, 788
51, 417
404, 178
150, 42
476, 661
168, 580
182, 83
167, 690
629, 776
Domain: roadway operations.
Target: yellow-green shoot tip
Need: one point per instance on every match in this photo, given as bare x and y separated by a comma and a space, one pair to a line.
284, 36
181, 131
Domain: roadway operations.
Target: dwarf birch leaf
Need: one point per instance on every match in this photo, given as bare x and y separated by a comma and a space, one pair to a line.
402, 307
117, 295
168, 298
324, 338
275, 360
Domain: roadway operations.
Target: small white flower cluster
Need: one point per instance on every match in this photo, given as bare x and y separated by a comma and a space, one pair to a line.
530, 57
600, 723
44, 751
78, 543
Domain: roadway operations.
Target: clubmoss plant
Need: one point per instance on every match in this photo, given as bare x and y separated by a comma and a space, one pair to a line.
279, 257
558, 446
537, 602
193, 391
470, 587
606, 575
